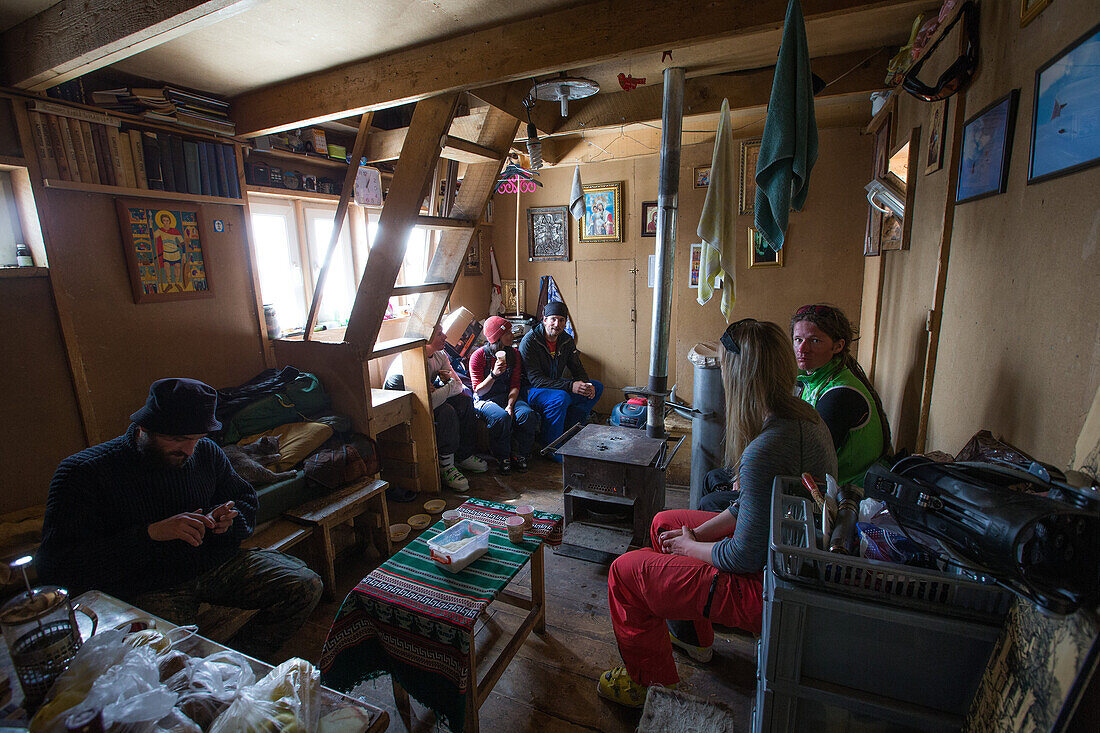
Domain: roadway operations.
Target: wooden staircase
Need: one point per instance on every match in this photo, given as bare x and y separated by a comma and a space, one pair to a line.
340, 359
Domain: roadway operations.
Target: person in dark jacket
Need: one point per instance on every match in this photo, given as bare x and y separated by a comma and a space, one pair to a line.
549, 353
156, 517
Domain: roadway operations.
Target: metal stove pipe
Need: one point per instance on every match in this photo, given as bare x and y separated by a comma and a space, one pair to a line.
668, 186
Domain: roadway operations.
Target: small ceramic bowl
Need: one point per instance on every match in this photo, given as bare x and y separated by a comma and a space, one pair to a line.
435, 506
399, 531
419, 521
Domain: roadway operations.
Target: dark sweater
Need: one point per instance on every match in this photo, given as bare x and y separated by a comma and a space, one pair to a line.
102, 501
548, 372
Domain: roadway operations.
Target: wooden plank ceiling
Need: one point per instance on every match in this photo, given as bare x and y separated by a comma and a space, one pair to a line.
285, 64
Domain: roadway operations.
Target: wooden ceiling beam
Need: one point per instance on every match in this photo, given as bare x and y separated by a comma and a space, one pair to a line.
72, 37
856, 72
509, 98
551, 42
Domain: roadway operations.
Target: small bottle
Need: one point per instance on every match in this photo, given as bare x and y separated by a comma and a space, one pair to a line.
23, 256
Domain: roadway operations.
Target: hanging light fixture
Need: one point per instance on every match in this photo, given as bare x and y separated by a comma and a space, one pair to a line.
563, 88
534, 146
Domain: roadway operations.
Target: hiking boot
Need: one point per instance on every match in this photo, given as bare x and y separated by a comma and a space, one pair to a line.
505, 467
453, 479
616, 686
473, 464
682, 634
519, 463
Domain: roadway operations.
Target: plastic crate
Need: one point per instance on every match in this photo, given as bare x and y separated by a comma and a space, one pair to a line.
777, 712
913, 667
795, 556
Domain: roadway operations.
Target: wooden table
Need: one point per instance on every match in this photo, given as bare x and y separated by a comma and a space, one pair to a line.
415, 621
113, 612
353, 502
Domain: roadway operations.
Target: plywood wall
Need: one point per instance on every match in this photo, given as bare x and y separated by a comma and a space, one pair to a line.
125, 346
1019, 352
40, 423
606, 285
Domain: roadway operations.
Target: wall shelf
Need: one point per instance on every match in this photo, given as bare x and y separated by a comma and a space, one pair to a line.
139, 192
289, 193
301, 158
6, 272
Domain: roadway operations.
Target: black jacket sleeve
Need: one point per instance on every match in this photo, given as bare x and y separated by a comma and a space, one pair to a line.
77, 552
231, 487
574, 363
536, 364
843, 409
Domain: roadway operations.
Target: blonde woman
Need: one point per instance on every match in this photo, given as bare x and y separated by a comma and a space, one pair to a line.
707, 566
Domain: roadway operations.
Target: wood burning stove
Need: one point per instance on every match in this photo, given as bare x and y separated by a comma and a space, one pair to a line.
613, 480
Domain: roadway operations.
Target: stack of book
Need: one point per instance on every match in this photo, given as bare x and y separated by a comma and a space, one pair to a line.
170, 104
85, 146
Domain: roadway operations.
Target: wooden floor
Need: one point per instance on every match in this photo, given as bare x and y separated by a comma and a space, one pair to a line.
550, 686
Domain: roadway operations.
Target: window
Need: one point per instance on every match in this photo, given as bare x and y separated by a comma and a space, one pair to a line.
11, 232
287, 266
279, 264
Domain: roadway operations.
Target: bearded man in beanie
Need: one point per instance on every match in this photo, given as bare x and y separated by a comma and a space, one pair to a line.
156, 517
560, 390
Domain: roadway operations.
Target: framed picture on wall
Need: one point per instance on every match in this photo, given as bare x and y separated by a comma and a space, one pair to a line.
649, 218
1064, 136
162, 242
986, 148
937, 128
603, 209
1030, 9
700, 176
515, 295
473, 255
548, 233
872, 241
750, 153
760, 252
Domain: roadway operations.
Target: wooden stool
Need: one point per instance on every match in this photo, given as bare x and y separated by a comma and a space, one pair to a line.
350, 503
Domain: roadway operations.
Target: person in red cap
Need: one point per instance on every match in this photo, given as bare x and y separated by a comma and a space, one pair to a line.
496, 371
156, 517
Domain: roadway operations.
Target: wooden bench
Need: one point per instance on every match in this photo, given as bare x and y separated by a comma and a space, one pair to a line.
352, 502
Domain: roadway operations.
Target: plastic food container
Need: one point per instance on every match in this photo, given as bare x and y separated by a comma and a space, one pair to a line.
455, 560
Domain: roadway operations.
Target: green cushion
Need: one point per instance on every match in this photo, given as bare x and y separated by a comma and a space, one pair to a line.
281, 496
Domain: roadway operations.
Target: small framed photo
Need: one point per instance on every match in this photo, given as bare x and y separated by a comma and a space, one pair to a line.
1030, 9
473, 254
750, 153
937, 128
163, 247
701, 176
760, 252
602, 220
1064, 117
548, 233
515, 295
986, 148
649, 218
696, 263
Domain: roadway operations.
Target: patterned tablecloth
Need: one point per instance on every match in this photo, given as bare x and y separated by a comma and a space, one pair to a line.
414, 620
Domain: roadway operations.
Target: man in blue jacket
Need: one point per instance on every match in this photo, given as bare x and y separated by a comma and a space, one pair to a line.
548, 354
156, 517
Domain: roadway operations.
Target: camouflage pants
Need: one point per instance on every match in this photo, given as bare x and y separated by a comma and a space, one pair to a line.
281, 586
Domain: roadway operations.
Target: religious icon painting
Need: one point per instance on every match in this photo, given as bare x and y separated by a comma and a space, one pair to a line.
603, 213
163, 248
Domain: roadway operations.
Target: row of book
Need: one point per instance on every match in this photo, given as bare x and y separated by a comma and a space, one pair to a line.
75, 145
170, 104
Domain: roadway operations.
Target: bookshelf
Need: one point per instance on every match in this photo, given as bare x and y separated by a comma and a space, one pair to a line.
87, 149
301, 158
140, 192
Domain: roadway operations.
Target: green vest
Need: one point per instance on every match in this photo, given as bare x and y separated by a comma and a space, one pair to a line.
864, 444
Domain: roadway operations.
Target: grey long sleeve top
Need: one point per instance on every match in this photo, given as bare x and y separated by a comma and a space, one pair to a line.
784, 448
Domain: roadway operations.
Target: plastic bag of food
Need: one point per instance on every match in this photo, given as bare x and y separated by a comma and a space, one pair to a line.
128, 689
101, 651
286, 700
207, 686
